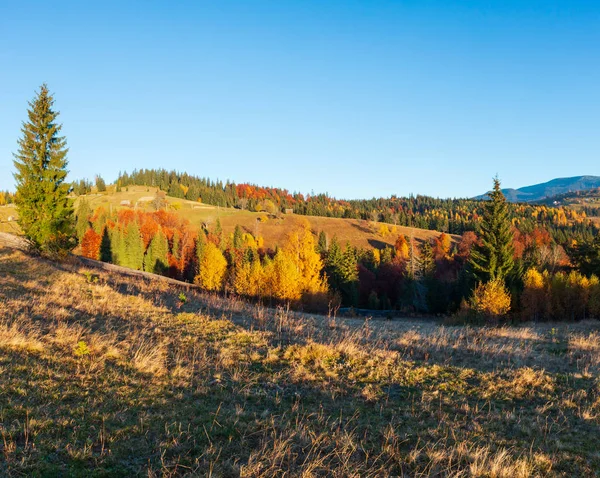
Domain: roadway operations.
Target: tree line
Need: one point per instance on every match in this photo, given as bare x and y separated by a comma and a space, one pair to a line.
454, 216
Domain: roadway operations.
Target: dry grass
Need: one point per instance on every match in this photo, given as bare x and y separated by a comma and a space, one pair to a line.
115, 377
363, 234
7, 211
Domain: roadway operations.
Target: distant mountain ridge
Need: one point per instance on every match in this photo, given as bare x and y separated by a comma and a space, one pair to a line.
555, 187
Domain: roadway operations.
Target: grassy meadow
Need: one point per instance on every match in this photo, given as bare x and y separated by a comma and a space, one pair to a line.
365, 234
359, 233
109, 375
6, 212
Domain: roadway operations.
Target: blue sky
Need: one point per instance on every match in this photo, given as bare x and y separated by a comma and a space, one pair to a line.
357, 99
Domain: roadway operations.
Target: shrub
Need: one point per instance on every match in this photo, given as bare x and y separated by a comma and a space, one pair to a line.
491, 299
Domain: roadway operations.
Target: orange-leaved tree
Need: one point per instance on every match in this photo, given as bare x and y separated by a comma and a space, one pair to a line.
90, 244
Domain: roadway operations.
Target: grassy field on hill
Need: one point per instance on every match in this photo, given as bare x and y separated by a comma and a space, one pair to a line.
6, 212
105, 375
359, 233
273, 230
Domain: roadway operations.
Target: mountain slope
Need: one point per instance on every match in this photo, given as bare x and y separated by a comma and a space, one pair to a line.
102, 374
551, 188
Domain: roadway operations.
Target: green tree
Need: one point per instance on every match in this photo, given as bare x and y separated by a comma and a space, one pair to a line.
83, 218
492, 257
176, 247
238, 237
155, 260
100, 184
342, 271
45, 211
134, 247
219, 233
117, 245
322, 243
106, 247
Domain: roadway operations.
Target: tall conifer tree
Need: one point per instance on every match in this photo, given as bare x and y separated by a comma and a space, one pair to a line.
492, 258
83, 218
156, 260
45, 211
134, 247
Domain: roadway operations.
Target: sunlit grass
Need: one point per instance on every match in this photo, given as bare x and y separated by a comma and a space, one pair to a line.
116, 377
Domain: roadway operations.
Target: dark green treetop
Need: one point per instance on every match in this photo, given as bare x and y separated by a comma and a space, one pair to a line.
492, 257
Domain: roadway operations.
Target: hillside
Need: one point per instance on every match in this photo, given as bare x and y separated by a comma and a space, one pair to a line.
108, 375
555, 187
8, 212
274, 229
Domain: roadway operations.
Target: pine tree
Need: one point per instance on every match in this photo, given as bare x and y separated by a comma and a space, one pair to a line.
238, 237
342, 271
176, 247
492, 258
83, 218
427, 259
155, 260
117, 245
100, 184
322, 245
134, 247
219, 233
45, 211
106, 247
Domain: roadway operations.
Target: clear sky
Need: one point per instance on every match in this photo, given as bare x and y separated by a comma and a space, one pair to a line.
357, 99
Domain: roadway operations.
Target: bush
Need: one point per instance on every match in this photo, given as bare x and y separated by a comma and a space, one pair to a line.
491, 300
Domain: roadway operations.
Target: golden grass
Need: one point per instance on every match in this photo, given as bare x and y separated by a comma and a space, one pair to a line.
359, 233
116, 377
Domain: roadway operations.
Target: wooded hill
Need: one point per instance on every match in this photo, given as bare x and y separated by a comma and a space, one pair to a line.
454, 216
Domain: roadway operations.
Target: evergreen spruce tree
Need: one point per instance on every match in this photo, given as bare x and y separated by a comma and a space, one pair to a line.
134, 247
45, 211
219, 233
155, 260
238, 237
83, 218
176, 247
100, 184
322, 243
117, 245
492, 258
106, 247
427, 259
348, 274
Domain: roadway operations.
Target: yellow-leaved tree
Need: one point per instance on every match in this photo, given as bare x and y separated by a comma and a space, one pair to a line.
249, 279
212, 268
301, 249
283, 277
491, 299
533, 298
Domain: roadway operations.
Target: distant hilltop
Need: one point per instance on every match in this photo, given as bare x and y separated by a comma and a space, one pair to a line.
555, 187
